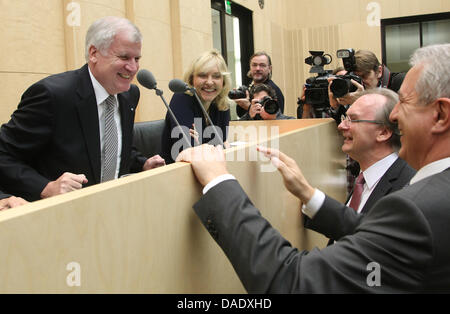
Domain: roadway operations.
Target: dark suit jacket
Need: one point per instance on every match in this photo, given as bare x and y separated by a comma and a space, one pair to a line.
406, 233
3, 195
55, 129
335, 220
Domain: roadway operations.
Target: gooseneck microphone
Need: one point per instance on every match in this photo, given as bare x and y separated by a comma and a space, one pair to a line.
179, 86
146, 79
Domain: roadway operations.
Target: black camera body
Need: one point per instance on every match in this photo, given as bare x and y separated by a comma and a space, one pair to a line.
238, 93
348, 59
316, 92
342, 84
270, 105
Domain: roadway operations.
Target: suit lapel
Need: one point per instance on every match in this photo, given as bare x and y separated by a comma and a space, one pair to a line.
88, 117
385, 185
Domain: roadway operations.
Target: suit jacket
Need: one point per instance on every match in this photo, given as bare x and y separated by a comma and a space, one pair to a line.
335, 220
55, 129
3, 195
405, 233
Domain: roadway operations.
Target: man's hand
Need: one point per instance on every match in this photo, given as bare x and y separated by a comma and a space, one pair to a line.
66, 183
293, 178
350, 98
154, 162
207, 161
11, 202
333, 101
255, 108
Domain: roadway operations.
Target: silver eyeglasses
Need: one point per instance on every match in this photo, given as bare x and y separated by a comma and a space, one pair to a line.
348, 121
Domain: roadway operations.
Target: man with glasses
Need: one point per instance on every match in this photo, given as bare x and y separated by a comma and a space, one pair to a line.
260, 73
373, 141
400, 246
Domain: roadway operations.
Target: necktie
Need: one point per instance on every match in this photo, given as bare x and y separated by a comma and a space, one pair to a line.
109, 153
357, 192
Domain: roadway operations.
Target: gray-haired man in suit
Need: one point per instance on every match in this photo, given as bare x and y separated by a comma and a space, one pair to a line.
406, 233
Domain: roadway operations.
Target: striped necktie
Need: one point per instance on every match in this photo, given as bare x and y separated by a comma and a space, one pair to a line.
110, 142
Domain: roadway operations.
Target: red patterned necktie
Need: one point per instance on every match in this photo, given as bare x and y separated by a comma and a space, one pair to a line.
357, 192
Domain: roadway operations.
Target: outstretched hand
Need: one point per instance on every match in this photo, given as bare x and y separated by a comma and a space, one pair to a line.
293, 177
208, 162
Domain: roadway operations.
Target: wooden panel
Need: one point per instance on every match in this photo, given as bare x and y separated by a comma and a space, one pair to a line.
140, 234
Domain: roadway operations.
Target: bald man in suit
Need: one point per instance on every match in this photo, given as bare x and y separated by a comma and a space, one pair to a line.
372, 140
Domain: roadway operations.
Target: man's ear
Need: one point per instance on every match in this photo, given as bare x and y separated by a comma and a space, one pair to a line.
441, 116
380, 71
384, 134
93, 51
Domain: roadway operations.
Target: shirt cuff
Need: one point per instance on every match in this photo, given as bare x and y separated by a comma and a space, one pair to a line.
311, 208
216, 181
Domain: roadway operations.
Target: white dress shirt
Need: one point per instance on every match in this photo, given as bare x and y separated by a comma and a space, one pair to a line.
431, 169
372, 176
101, 94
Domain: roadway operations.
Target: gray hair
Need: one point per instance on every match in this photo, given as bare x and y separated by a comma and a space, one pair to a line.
384, 112
434, 80
101, 33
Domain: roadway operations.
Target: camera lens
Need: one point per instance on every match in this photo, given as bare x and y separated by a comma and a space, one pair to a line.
340, 87
270, 105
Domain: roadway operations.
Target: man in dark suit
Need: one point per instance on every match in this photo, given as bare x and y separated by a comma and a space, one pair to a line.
372, 140
401, 245
58, 139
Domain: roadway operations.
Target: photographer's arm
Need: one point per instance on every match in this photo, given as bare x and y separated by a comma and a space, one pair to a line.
244, 103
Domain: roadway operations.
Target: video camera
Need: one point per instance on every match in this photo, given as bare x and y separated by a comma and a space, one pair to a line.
316, 92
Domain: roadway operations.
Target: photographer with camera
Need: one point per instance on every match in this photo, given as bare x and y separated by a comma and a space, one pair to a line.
305, 110
260, 73
264, 104
372, 72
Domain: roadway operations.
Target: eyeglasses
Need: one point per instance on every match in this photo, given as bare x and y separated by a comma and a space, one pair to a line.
347, 121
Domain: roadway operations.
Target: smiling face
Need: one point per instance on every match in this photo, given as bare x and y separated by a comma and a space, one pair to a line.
414, 121
208, 83
360, 138
116, 67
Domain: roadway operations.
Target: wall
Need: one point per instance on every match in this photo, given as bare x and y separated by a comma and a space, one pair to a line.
38, 39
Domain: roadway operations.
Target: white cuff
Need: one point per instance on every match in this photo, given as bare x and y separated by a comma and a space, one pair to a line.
216, 181
311, 208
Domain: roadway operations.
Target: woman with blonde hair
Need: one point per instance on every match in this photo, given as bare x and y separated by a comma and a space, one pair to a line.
209, 75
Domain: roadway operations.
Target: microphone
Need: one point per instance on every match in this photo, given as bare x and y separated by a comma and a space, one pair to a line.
146, 79
179, 86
